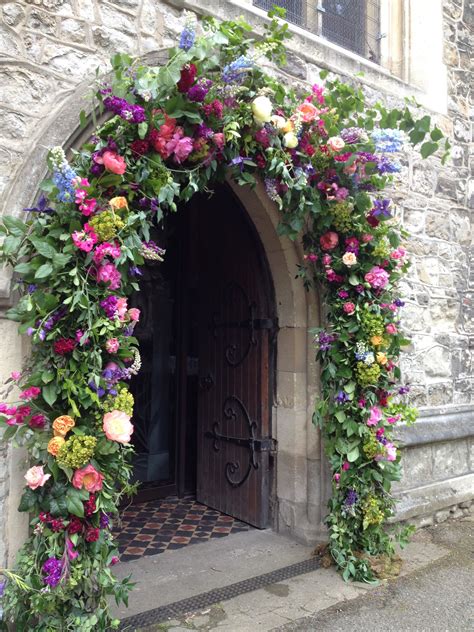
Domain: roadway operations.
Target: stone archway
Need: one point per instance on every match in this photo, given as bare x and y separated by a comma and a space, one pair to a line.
302, 486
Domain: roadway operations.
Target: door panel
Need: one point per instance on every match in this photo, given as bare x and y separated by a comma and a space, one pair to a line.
235, 327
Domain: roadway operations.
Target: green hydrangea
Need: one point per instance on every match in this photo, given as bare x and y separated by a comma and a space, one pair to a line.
382, 249
372, 324
122, 401
371, 446
373, 514
342, 216
106, 225
77, 451
367, 374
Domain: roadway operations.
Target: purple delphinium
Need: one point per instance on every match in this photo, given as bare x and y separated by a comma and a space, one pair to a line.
236, 71
52, 568
188, 35
384, 165
351, 498
353, 135
341, 397
381, 208
387, 140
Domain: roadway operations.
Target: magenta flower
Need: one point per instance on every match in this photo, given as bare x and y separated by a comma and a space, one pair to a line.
377, 277
108, 273
375, 416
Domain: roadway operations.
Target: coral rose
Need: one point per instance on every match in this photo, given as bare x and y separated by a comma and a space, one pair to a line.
117, 426
55, 444
114, 163
62, 425
35, 477
308, 112
88, 478
329, 240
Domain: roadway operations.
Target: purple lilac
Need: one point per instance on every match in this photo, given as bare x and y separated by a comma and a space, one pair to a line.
351, 498
52, 568
199, 91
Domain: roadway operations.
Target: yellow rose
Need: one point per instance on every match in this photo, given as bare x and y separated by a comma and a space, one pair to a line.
55, 445
376, 341
62, 425
381, 357
290, 140
118, 202
262, 109
288, 127
279, 122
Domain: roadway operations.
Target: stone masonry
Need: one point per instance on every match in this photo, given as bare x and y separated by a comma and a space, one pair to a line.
49, 48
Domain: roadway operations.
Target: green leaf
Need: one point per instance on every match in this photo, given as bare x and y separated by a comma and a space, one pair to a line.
340, 415
428, 148
436, 134
50, 393
74, 503
353, 455
354, 279
28, 500
15, 226
11, 245
44, 271
42, 247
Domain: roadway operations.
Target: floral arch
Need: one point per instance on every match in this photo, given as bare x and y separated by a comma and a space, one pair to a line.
209, 112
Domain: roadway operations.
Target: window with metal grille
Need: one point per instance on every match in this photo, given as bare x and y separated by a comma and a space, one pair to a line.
352, 24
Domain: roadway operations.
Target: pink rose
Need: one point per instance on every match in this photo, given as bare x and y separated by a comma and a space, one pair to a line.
398, 253
391, 328
121, 308
329, 240
337, 477
375, 416
183, 148
112, 345
336, 143
134, 314
391, 451
35, 477
346, 465
377, 277
366, 237
219, 140
117, 426
108, 273
88, 478
114, 163
15, 376
349, 308
30, 393
326, 259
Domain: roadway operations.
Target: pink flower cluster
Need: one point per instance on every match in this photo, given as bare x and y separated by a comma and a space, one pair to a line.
377, 277
106, 249
85, 239
86, 205
170, 140
108, 273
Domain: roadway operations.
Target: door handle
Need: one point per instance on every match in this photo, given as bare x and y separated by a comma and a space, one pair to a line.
206, 382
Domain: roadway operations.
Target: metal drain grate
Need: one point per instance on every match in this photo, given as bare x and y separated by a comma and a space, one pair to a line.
204, 600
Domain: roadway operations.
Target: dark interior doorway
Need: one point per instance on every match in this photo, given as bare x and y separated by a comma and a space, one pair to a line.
207, 341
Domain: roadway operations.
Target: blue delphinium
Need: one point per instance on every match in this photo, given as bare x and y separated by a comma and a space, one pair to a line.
235, 71
188, 35
387, 140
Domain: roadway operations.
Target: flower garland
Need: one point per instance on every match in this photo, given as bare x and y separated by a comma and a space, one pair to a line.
324, 158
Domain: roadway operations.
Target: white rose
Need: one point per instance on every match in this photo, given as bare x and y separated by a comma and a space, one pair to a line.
336, 143
290, 140
278, 121
349, 259
262, 109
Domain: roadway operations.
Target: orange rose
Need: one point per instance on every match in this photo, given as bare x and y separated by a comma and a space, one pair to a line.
55, 445
62, 425
118, 202
381, 358
376, 341
288, 127
308, 111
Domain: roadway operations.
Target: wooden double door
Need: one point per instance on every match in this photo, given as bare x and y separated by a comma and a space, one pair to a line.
207, 339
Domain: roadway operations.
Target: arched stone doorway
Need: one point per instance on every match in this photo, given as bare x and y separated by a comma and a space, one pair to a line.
299, 484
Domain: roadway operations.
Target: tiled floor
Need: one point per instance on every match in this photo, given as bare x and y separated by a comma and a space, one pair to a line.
162, 525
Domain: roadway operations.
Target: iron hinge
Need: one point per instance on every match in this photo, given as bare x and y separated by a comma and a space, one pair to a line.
265, 323
265, 445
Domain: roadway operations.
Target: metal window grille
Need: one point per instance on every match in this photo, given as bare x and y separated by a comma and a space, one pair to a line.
352, 24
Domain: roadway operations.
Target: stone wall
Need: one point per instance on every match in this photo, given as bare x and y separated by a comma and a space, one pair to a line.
49, 52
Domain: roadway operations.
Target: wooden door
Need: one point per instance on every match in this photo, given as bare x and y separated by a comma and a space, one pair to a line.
236, 329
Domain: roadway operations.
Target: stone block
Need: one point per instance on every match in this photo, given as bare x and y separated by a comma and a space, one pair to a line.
450, 458
13, 13
42, 22
441, 516
73, 30
440, 394
437, 362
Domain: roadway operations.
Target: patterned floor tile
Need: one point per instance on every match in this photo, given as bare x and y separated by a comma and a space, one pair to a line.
170, 524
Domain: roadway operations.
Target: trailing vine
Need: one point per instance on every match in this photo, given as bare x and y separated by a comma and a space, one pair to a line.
325, 158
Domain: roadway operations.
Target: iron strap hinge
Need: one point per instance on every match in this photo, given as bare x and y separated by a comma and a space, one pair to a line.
265, 323
265, 445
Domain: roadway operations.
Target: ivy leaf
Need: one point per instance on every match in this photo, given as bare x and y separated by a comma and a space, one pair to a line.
428, 148
44, 271
436, 134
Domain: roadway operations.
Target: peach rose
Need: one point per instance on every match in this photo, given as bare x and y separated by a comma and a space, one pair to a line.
376, 341
62, 425
349, 259
114, 163
308, 111
134, 314
88, 478
117, 426
55, 445
35, 477
329, 240
118, 202
336, 143
381, 358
